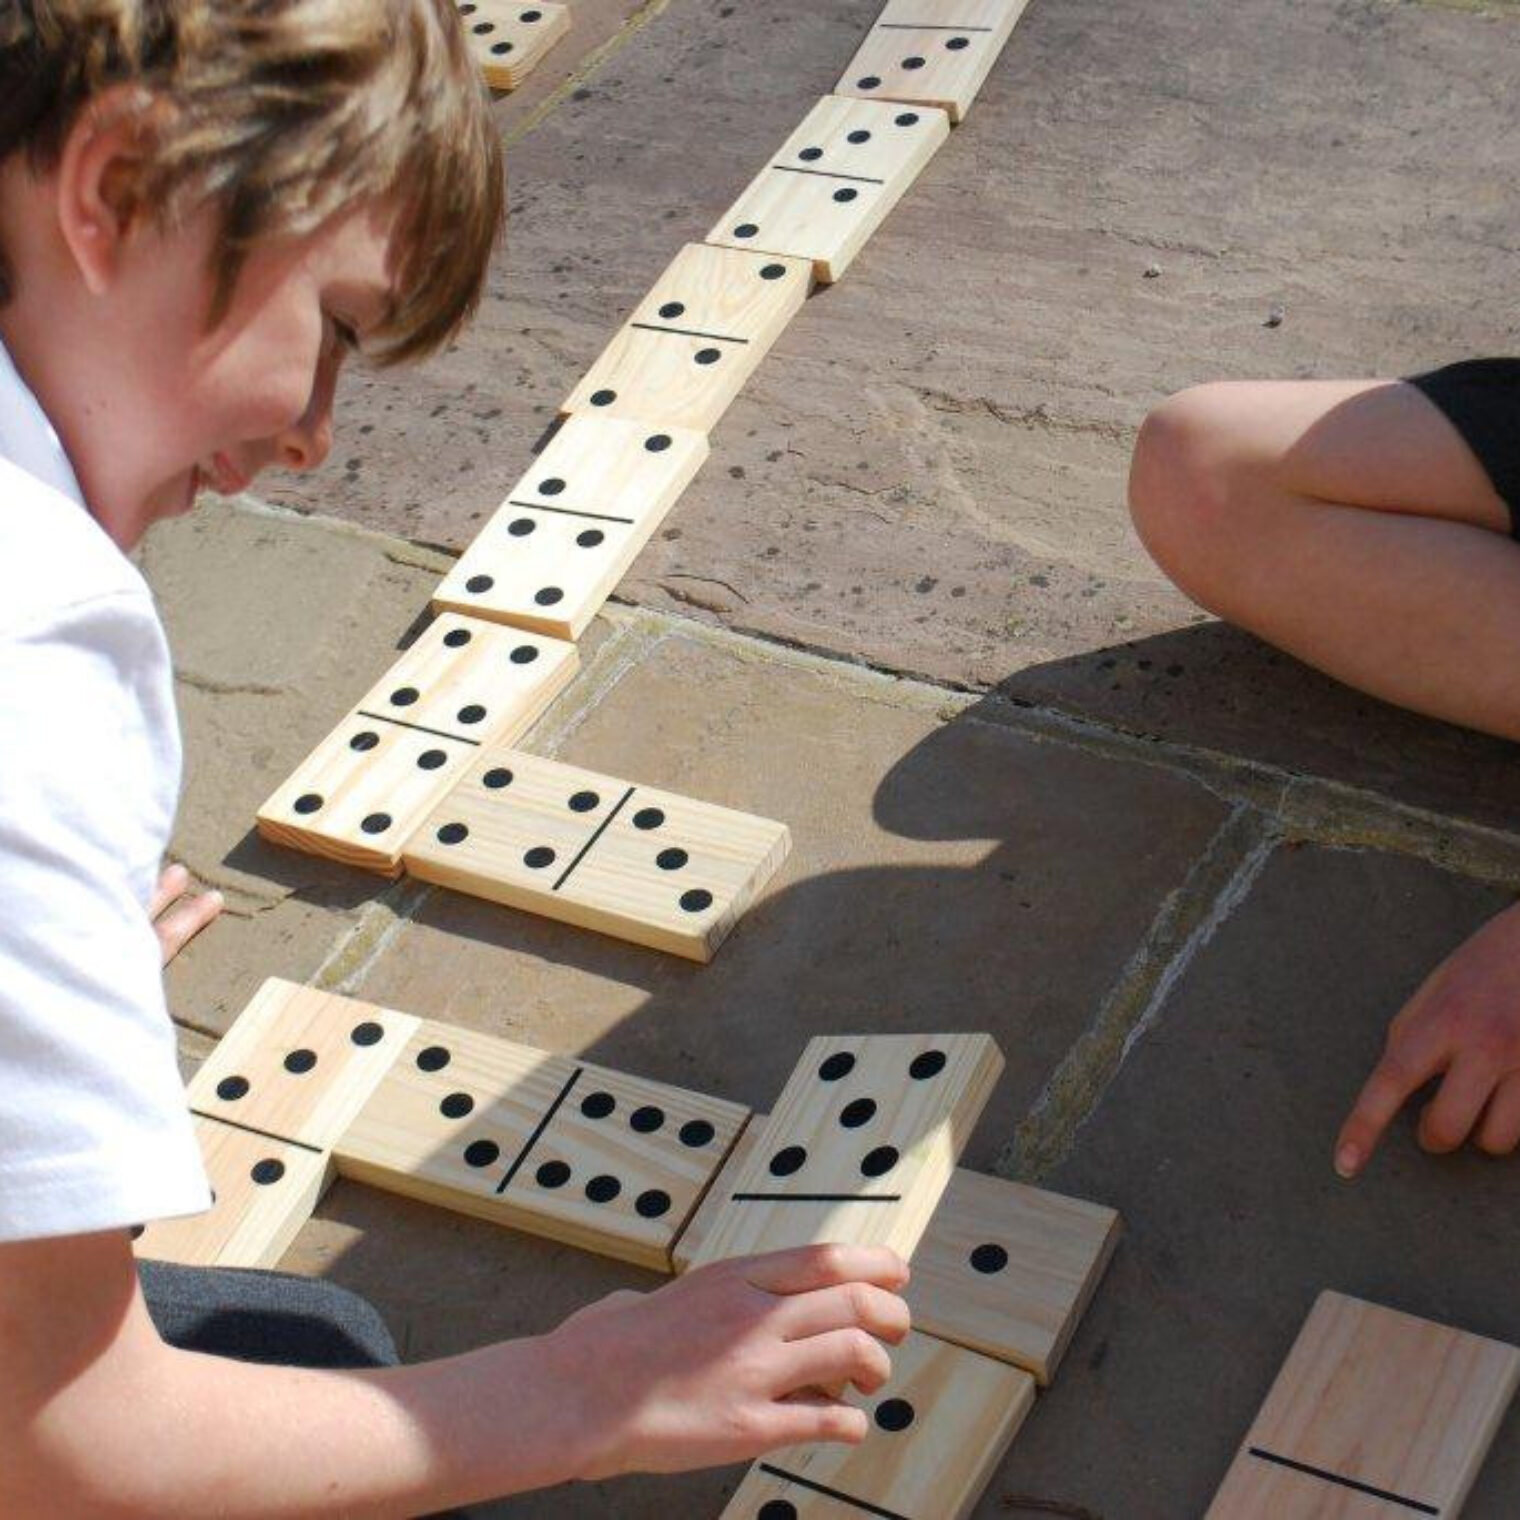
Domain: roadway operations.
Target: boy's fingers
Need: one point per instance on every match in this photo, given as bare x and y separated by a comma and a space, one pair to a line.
1391, 1082
832, 1360
1499, 1133
855, 1305
806, 1268
186, 919
1449, 1117
807, 1418
172, 882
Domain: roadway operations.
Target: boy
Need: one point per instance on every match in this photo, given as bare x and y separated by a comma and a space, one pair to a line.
203, 203
1368, 527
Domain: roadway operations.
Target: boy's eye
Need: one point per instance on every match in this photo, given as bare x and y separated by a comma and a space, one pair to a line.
346, 333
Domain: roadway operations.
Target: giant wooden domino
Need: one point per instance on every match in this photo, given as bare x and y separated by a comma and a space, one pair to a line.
931, 52
508, 39
643, 864
1374, 1414
463, 685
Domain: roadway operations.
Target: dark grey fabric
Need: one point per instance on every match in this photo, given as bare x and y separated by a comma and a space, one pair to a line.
1481, 399
268, 1317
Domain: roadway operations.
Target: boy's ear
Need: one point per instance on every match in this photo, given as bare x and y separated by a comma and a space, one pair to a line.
99, 169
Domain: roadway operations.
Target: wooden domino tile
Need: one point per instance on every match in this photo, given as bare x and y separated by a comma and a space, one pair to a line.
549, 1144
1374, 1414
1003, 1269
834, 181
263, 1191
631, 861
861, 1144
939, 1427
463, 684
298, 1064
694, 340
508, 40
931, 52
573, 524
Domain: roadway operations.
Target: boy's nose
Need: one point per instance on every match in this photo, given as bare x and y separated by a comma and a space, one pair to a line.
307, 444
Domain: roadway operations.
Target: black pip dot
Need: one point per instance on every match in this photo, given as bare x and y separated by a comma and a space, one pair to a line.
496, 778
478, 585
894, 1414
955, 44
930, 1064
696, 1132
861, 1111
708, 355
671, 310
539, 857
583, 802
480, 1153
868, 82
524, 654
603, 398
310, 802
648, 818
457, 638
376, 823
603, 1189
433, 1058
785, 1162
367, 1033
453, 833
299, 1062
777, 1509
590, 538
907, 119
548, 596
838, 1065
879, 1162
652, 1205
456, 1105
598, 1105
552, 1174
403, 696
471, 713
698, 900
521, 527
431, 759
551, 487
860, 135
230, 1089
773, 271
846, 195
810, 155
915, 62
364, 740
671, 860
267, 1171
646, 1120
746, 230
657, 443
988, 1259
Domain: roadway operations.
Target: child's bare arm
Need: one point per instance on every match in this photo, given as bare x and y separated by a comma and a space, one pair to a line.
1463, 1025
97, 1415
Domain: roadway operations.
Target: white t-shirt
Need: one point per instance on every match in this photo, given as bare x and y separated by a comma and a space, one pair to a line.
94, 1131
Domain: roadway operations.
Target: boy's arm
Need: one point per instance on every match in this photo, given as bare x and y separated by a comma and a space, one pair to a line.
98, 1415
1463, 1025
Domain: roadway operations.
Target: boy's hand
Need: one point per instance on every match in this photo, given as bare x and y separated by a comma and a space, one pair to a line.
1463, 1024
727, 1362
177, 919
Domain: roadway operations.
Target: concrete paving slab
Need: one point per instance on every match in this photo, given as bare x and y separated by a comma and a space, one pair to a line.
928, 471
1215, 1143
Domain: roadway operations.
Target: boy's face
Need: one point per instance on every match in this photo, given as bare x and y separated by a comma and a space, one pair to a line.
166, 406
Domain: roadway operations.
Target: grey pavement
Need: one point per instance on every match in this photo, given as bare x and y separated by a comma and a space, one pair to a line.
1184, 881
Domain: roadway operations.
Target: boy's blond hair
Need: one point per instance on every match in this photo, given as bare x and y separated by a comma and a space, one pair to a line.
282, 113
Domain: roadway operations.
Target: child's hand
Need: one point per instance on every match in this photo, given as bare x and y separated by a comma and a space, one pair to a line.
177, 919
726, 1363
1463, 1024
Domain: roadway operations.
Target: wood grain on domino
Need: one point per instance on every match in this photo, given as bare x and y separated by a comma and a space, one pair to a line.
298, 1064
570, 528
546, 1143
464, 684
833, 182
508, 39
931, 52
694, 340
1375, 1414
938, 1429
628, 860
861, 1144
263, 1191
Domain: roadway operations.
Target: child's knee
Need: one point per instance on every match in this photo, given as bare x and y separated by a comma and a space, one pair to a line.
1181, 476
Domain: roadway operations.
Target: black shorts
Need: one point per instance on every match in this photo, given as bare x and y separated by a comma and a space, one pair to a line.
1481, 399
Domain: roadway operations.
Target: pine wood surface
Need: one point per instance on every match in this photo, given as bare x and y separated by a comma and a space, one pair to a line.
860, 1146
546, 1143
264, 1191
631, 861
694, 340
570, 528
833, 182
1393, 1414
298, 1063
939, 1428
508, 40
931, 52
465, 683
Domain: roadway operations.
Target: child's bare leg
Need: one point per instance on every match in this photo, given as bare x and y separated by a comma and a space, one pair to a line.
1348, 523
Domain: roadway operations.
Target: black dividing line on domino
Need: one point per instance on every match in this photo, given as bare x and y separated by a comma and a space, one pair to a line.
600, 830
253, 1129
687, 332
924, 26
815, 1198
538, 506
419, 728
832, 1493
859, 179
537, 1134
1419, 1506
